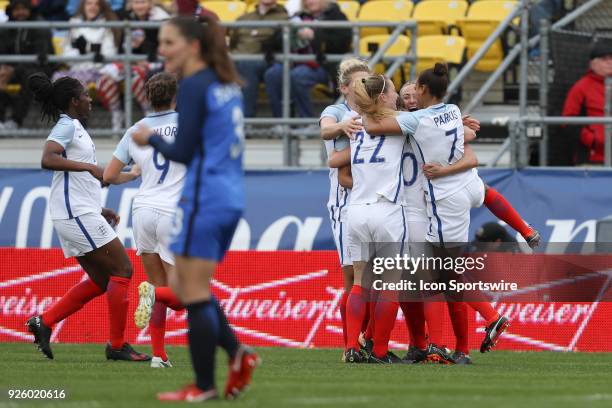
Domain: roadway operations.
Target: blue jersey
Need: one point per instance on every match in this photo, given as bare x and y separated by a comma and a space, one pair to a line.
210, 141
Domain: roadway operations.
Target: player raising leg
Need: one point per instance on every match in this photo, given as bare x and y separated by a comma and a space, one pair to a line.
153, 209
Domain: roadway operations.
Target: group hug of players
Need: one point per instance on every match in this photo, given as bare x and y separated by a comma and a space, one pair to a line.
401, 171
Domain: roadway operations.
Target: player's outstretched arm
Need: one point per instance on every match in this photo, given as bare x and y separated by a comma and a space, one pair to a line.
330, 129
386, 126
468, 161
340, 159
52, 159
114, 175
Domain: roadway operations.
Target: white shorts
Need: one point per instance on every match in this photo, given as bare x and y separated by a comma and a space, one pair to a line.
152, 233
417, 230
374, 225
340, 230
449, 218
83, 234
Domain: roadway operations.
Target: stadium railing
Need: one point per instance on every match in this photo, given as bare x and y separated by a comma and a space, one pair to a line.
290, 136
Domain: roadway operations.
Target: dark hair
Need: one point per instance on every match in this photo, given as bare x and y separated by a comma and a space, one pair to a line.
54, 97
213, 48
161, 89
436, 80
105, 11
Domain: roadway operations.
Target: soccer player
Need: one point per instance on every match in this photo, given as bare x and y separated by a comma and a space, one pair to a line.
153, 209
85, 229
336, 127
210, 141
436, 133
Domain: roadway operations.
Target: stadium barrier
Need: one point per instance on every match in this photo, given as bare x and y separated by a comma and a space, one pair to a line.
278, 298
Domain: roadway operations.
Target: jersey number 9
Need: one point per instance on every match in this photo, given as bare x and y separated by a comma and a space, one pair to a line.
163, 165
238, 122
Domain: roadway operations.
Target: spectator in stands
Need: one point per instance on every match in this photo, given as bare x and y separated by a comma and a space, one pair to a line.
319, 41
143, 41
587, 98
23, 41
102, 42
255, 41
193, 8
72, 6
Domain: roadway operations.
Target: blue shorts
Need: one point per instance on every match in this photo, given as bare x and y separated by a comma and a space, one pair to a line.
206, 234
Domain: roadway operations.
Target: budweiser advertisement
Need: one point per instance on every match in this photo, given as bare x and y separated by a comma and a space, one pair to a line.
276, 298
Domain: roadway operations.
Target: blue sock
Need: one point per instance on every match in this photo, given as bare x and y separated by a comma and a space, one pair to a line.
227, 338
203, 337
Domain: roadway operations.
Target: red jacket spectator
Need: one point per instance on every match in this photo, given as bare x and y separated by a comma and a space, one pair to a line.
587, 98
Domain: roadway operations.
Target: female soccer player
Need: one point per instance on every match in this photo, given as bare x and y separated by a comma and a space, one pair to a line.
210, 142
436, 133
335, 129
85, 229
153, 209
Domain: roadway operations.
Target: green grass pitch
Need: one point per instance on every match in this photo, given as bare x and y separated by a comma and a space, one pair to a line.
317, 378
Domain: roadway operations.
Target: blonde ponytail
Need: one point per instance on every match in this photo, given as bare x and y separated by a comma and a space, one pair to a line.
367, 97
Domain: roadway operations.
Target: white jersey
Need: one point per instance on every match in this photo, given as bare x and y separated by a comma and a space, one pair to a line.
74, 193
437, 137
376, 166
162, 180
338, 195
414, 194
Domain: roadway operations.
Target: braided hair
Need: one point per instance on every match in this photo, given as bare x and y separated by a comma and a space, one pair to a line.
54, 97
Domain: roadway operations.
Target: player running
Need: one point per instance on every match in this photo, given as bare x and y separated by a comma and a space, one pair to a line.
210, 141
336, 126
436, 133
85, 229
153, 210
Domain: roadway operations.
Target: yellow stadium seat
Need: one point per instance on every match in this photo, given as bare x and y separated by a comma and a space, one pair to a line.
251, 5
439, 48
350, 8
58, 45
482, 19
401, 46
383, 10
226, 10
435, 16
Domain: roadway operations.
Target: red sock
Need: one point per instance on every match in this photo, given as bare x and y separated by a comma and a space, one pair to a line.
416, 322
117, 296
343, 300
458, 312
366, 319
486, 311
405, 308
157, 326
385, 315
502, 209
369, 331
356, 306
71, 302
434, 316
165, 295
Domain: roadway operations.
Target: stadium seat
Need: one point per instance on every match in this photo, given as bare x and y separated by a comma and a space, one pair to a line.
226, 10
350, 8
383, 10
436, 16
439, 48
482, 19
401, 46
58, 45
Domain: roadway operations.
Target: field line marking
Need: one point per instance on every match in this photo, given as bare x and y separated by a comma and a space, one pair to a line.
31, 278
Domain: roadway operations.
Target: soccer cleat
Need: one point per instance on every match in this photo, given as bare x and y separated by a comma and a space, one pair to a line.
461, 358
241, 369
42, 335
533, 239
390, 358
439, 355
125, 353
492, 333
157, 362
146, 300
189, 393
367, 348
353, 356
414, 354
